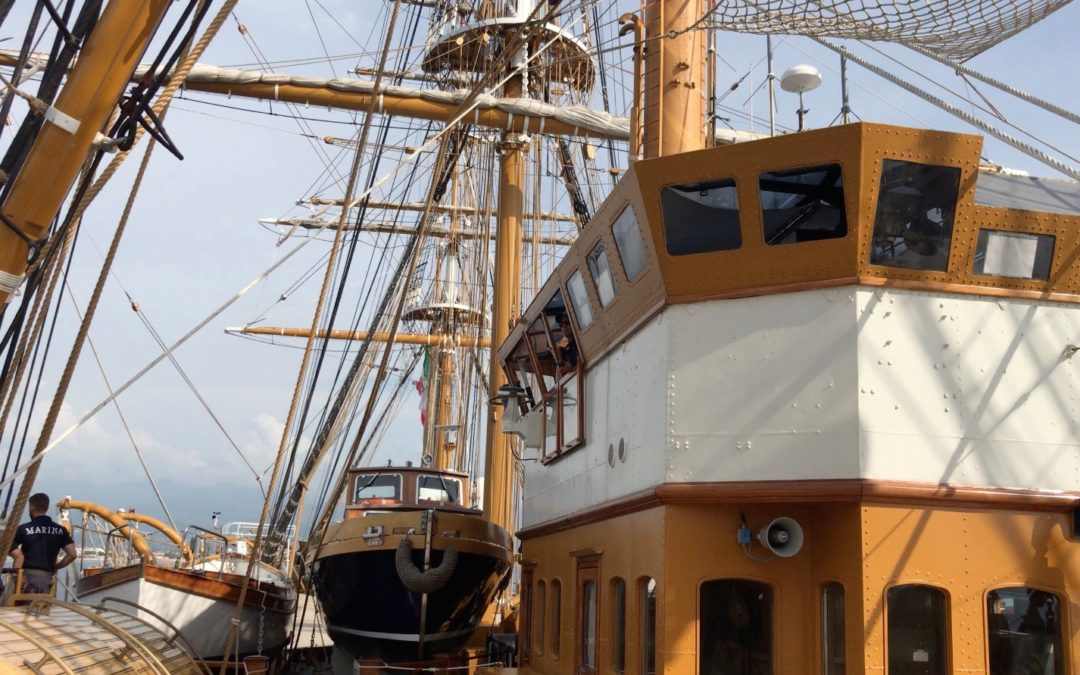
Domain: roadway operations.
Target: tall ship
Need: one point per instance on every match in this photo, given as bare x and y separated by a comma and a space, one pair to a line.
801, 404
693, 399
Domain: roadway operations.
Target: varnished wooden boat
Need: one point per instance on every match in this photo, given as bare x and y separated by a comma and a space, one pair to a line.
410, 571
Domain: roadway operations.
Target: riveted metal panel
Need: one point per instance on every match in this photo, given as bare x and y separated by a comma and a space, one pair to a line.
919, 146
755, 265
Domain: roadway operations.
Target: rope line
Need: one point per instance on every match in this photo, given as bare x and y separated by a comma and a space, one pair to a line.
135, 307
1033, 152
305, 361
1003, 86
123, 418
158, 108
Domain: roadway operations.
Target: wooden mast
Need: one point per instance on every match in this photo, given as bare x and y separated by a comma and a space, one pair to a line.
104, 68
360, 335
674, 77
505, 308
442, 383
442, 438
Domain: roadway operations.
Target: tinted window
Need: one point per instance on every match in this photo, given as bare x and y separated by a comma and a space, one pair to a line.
914, 222
647, 637
556, 618
600, 269
1025, 632
571, 411
701, 217
588, 625
736, 627
618, 625
379, 486
1018, 255
832, 629
550, 447
579, 298
917, 637
526, 616
541, 598
803, 204
438, 489
628, 241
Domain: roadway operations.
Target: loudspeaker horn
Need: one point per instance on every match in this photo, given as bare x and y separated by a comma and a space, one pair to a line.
783, 537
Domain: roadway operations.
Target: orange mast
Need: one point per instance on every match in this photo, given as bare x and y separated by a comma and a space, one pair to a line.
81, 110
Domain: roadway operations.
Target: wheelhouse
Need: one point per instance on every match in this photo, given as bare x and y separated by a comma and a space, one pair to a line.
407, 488
857, 329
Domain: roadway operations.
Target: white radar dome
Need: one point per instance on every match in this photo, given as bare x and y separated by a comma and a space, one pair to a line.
800, 79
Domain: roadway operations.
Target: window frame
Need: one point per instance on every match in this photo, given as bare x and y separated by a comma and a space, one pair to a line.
617, 590
1039, 237
825, 634
540, 600
601, 246
460, 486
588, 572
774, 597
954, 246
628, 207
572, 307
525, 643
556, 617
811, 168
539, 335
356, 500
534, 357
719, 183
1064, 636
946, 628
643, 624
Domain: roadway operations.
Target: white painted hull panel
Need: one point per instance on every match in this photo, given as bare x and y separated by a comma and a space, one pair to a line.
203, 621
841, 383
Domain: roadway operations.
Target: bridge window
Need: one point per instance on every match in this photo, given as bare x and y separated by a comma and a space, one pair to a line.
736, 627
618, 626
525, 644
547, 364
701, 217
588, 625
1017, 255
628, 241
1025, 632
437, 488
541, 598
378, 486
556, 616
917, 639
588, 615
914, 222
523, 373
803, 204
647, 614
834, 659
600, 269
579, 298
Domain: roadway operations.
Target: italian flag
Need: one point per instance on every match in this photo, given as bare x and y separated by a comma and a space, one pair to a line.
421, 386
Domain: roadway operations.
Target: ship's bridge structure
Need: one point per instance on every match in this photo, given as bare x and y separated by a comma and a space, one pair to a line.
806, 400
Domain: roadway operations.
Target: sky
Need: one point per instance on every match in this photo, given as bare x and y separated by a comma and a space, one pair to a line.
194, 240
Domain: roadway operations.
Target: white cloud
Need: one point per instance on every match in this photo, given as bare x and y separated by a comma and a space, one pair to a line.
100, 454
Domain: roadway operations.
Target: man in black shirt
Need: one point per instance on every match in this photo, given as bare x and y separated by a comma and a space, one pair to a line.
37, 544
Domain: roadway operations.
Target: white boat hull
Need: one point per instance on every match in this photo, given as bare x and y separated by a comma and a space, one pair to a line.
200, 607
